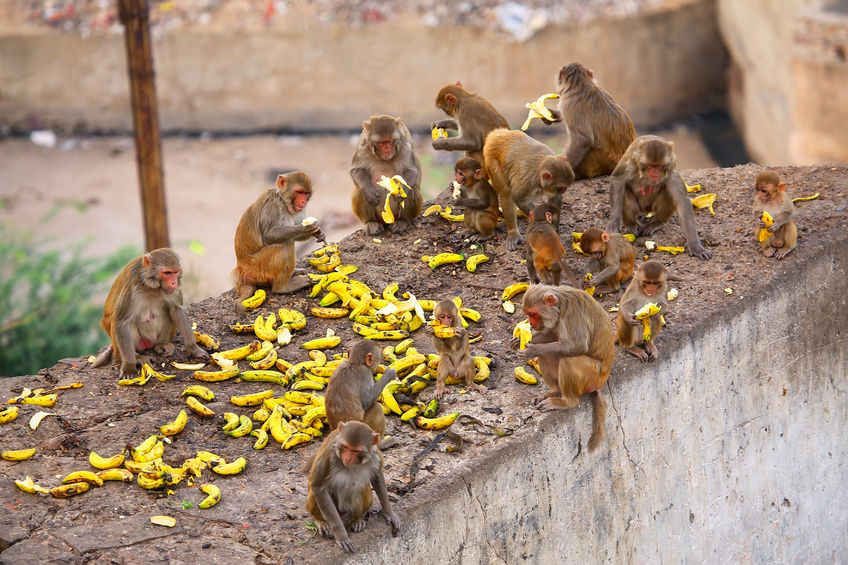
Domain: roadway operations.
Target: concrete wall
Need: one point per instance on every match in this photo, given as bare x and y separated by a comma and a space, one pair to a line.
730, 450
324, 77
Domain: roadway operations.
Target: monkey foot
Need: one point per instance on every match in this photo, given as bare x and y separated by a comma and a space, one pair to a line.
293, 285
441, 391
514, 241
400, 226
357, 526
164, 348
651, 349
544, 397
769, 252
476, 387
556, 403
374, 228
638, 352
782, 253
323, 529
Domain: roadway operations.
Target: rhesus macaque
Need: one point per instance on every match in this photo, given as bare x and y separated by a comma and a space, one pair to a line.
455, 358
612, 258
545, 253
524, 171
648, 285
143, 310
771, 197
646, 180
472, 115
573, 343
352, 393
479, 199
343, 471
265, 236
385, 149
599, 130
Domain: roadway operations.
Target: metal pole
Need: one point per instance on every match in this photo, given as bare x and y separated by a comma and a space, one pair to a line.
134, 17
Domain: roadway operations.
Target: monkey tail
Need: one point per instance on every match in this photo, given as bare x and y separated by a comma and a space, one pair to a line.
599, 416
103, 356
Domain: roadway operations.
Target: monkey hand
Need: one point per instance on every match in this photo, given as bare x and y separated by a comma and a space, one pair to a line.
557, 117
633, 320
515, 343
773, 228
198, 352
440, 143
530, 352
393, 520
701, 252
343, 541
129, 367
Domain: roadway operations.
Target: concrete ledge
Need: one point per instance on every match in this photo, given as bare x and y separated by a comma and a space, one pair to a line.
322, 77
730, 450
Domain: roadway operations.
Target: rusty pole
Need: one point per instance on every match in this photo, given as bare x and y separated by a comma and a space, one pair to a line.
148, 146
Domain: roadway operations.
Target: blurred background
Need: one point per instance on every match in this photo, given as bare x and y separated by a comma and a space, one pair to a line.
250, 88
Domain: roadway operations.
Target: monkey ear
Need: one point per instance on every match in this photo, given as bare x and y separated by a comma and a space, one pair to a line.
451, 99
146, 260
781, 187
671, 146
478, 174
547, 176
340, 426
281, 181
550, 300
366, 126
459, 84
375, 438
604, 237
369, 359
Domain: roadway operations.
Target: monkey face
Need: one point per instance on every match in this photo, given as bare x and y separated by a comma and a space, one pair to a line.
350, 454
170, 280
384, 148
446, 319
534, 317
298, 199
765, 192
650, 288
653, 172
597, 251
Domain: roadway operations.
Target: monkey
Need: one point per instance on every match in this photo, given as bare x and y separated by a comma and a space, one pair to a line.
646, 181
144, 309
771, 197
352, 393
385, 149
472, 115
524, 171
545, 253
573, 343
265, 236
612, 258
648, 285
348, 464
455, 358
479, 199
599, 130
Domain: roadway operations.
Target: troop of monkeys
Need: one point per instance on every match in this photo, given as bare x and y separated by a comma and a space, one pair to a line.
504, 170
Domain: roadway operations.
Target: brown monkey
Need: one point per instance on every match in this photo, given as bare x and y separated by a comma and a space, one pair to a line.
352, 393
472, 115
343, 471
265, 236
545, 253
646, 180
599, 130
573, 342
385, 149
771, 197
524, 171
143, 310
648, 285
455, 358
479, 199
612, 258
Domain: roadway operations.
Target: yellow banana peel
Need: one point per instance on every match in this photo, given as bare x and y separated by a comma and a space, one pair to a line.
705, 201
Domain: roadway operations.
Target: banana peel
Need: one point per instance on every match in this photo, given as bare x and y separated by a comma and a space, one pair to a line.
805, 198
705, 201
436, 133
764, 233
537, 109
643, 314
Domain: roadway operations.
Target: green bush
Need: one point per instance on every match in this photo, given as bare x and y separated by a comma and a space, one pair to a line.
51, 300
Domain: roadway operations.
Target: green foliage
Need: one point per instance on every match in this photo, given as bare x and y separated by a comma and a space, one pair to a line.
47, 300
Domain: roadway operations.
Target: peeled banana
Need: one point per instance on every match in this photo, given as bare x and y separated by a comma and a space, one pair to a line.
644, 313
764, 233
28, 485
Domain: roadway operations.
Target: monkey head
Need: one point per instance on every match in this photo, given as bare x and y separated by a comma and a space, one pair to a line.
354, 443
446, 313
652, 276
541, 305
768, 185
160, 269
655, 160
449, 97
383, 136
594, 242
366, 353
573, 75
555, 174
295, 189
468, 171
542, 212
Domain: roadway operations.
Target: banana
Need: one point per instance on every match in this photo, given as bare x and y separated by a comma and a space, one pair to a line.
436, 133
470, 314
28, 485
303, 398
167, 521
147, 444
508, 306
522, 376
187, 366
83, 476
537, 109
297, 438
116, 475
136, 467
672, 294
176, 426
331, 248
335, 261
284, 336
263, 351
72, 489
254, 399
233, 468
644, 313
472, 262
388, 334
340, 289
435, 423
8, 414
244, 428
261, 414
443, 259
242, 328
151, 372
388, 398
408, 362
482, 369
524, 332
146, 482
216, 376
314, 414
307, 384
411, 413
199, 408
322, 312
805, 198
206, 340
214, 495
241, 352
764, 233
232, 421
705, 201
431, 408
446, 214
154, 452
403, 346
265, 376
294, 319
137, 381
208, 457
443, 332
589, 289
516, 288
261, 438
322, 342
432, 209
199, 391
266, 362
261, 331
222, 361
254, 301
18, 454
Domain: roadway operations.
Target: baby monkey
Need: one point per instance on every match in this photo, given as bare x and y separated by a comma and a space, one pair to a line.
455, 358
612, 258
648, 286
544, 251
773, 211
